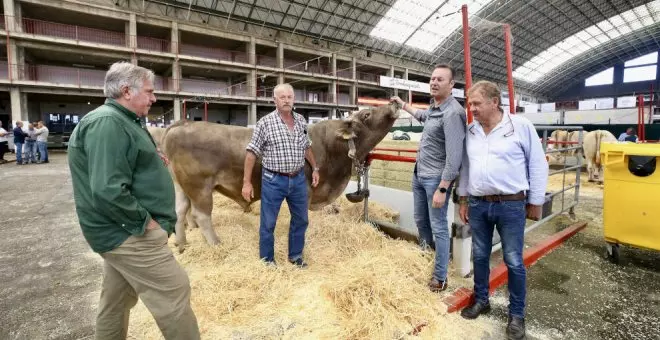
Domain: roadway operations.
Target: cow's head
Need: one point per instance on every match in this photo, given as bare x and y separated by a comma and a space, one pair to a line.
368, 127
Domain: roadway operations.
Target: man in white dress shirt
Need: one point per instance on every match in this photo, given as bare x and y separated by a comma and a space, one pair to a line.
502, 182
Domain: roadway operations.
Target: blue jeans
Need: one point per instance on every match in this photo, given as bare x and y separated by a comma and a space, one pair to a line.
19, 153
43, 151
274, 189
31, 150
509, 219
432, 222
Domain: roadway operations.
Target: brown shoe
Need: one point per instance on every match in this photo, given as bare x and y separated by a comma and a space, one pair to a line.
437, 286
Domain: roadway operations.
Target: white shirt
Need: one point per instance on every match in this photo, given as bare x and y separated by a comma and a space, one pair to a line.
508, 160
3, 135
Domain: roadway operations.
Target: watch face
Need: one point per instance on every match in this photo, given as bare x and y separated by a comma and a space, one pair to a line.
443, 190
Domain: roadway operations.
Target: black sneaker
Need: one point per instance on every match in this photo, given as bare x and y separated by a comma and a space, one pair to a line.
477, 308
299, 263
515, 330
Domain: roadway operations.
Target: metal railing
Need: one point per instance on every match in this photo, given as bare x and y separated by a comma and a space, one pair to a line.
74, 32
462, 231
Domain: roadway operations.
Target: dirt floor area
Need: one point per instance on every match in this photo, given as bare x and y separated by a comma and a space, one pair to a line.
360, 284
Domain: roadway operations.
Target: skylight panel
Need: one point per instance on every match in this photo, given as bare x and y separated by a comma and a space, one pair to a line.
589, 38
651, 58
593, 30
636, 24
613, 34
625, 29
629, 16
400, 24
641, 11
617, 20
605, 25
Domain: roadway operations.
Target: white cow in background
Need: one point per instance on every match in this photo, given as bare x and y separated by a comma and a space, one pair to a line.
591, 147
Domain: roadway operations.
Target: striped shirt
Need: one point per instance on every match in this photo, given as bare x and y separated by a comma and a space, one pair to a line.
280, 149
441, 147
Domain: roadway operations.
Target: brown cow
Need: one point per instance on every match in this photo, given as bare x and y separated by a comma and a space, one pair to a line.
157, 134
206, 157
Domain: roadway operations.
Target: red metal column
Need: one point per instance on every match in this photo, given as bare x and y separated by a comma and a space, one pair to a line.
466, 57
206, 111
640, 112
509, 66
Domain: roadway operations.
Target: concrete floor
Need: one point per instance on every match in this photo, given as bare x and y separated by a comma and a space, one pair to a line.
50, 279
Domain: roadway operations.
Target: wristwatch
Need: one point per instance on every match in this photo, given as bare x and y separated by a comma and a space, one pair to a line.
442, 190
317, 169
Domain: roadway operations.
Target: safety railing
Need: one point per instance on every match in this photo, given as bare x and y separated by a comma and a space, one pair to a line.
59, 75
74, 32
345, 74
153, 44
460, 232
366, 76
264, 60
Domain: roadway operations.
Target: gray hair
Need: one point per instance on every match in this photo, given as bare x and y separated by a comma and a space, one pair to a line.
282, 86
122, 74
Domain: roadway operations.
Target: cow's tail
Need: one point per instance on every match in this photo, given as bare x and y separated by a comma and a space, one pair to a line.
599, 136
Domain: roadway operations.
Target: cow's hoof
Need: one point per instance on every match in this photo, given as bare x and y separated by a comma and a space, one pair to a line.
181, 248
356, 197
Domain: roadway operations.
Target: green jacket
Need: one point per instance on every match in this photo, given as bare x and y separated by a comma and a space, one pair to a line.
119, 180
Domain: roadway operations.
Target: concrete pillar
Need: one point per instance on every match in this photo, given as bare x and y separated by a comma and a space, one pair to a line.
353, 67
12, 23
252, 84
131, 36
391, 74
175, 38
332, 92
16, 59
333, 65
176, 76
352, 93
332, 113
280, 62
177, 109
18, 105
280, 55
251, 50
405, 76
252, 114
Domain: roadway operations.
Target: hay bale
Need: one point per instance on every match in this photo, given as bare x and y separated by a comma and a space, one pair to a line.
360, 284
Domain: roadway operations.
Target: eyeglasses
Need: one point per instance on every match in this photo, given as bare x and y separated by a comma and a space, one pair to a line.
508, 134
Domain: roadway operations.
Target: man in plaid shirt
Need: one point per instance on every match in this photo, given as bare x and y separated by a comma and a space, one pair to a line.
281, 140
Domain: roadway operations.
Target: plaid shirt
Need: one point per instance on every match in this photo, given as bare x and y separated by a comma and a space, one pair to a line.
281, 149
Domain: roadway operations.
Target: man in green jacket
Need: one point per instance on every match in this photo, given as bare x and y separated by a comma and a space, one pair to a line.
125, 204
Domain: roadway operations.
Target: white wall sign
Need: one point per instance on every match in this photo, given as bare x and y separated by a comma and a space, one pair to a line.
458, 93
587, 105
548, 107
630, 101
604, 103
402, 84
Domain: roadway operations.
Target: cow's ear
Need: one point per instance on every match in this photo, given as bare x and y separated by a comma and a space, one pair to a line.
346, 130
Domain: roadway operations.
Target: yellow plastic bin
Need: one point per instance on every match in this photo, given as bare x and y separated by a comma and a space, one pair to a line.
631, 198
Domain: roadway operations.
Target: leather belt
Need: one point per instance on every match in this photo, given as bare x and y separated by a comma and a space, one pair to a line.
498, 198
287, 174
